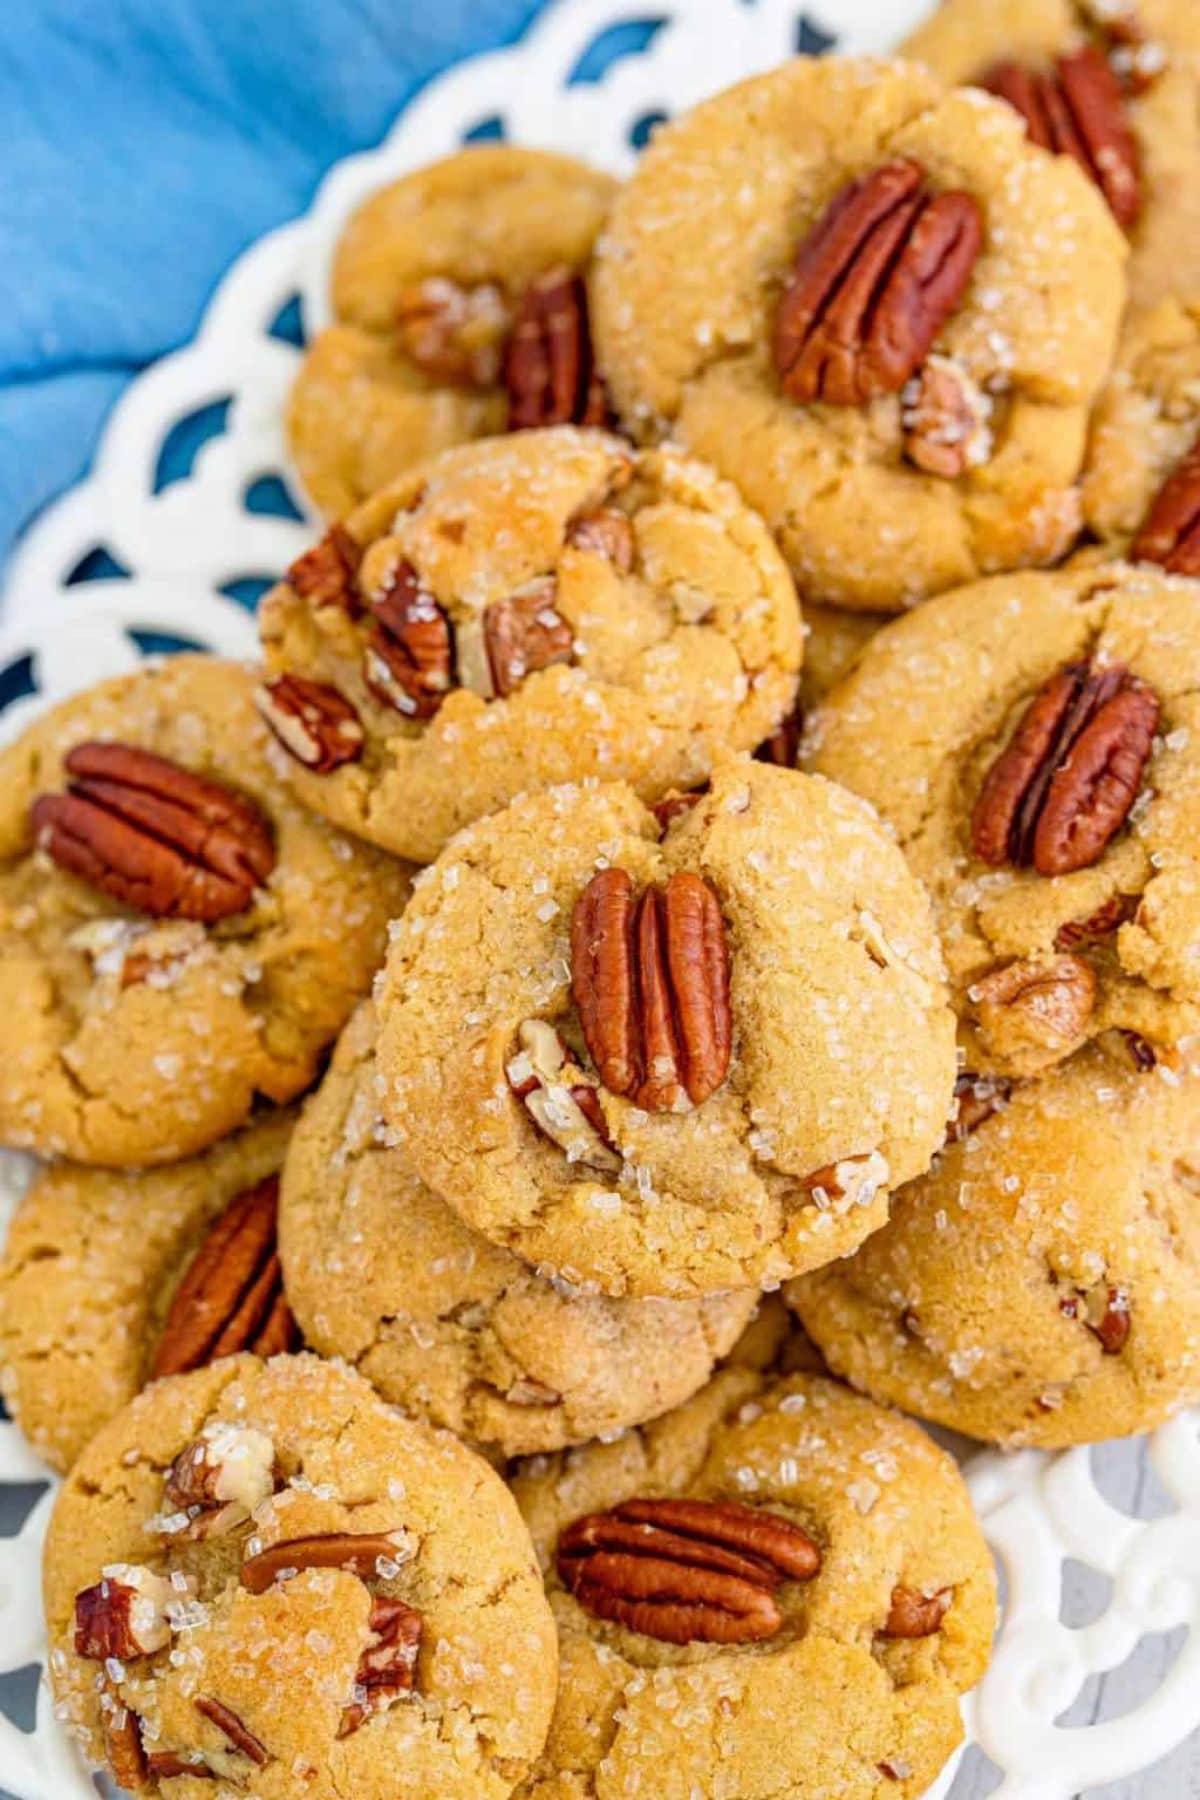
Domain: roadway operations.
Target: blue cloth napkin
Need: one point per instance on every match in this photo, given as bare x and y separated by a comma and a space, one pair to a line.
143, 144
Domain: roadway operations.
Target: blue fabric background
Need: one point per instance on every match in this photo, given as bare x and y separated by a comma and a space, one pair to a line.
143, 144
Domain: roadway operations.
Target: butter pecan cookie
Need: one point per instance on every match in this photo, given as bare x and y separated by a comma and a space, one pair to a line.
461, 309
669, 1059
177, 934
113, 1278
1112, 84
445, 1324
1033, 742
519, 612
779, 1591
259, 1574
834, 635
876, 308
1042, 1284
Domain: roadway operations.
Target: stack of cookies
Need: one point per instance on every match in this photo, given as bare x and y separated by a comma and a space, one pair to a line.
444, 1433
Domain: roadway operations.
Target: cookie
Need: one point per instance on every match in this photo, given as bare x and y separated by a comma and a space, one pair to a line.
833, 638
813, 1596
1116, 88
1032, 742
669, 1059
524, 611
460, 310
260, 1573
763, 292
448, 1326
1042, 1284
101, 1291
177, 934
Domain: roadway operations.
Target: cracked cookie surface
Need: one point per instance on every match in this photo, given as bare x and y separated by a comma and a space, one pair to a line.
445, 1324
886, 1510
788, 1161
585, 610
1042, 1284
137, 1039
688, 280
325, 1597
425, 281
1039, 964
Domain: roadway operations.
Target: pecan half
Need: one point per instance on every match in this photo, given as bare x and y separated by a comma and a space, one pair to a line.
387, 1668
124, 1615
232, 1728
608, 532
873, 284
1171, 533
409, 661
359, 1553
559, 1099
524, 633
1077, 109
651, 980
549, 367
976, 1098
945, 419
686, 1571
1040, 1010
313, 722
912, 1614
155, 836
1064, 786
454, 334
231, 1297
324, 575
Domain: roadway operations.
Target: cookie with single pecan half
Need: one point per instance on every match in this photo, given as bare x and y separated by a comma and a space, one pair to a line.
1114, 85
522, 611
1041, 1285
460, 308
1032, 741
876, 308
259, 1575
178, 936
669, 1059
775, 1537
450, 1327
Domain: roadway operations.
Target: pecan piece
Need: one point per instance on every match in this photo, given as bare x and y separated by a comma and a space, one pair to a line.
1171, 533
524, 633
324, 575
314, 722
686, 1571
651, 981
127, 1759
559, 1098
387, 1668
1098, 925
549, 367
783, 745
1040, 1009
409, 661
155, 836
221, 1477
232, 1728
454, 334
165, 1765
231, 1297
912, 1614
976, 1098
608, 532
365, 1554
945, 419
124, 1615
676, 806
873, 284
1078, 110
1064, 786
1105, 1311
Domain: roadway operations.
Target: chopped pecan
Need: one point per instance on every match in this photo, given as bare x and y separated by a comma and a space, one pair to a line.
1078, 110
409, 662
651, 981
155, 836
852, 1181
221, 1477
454, 334
1171, 533
387, 1668
1142, 1053
1098, 925
324, 575
873, 284
549, 366
783, 745
686, 1571
976, 1098
945, 419
675, 806
231, 1297
165, 1765
313, 721
1044, 1007
524, 633
1064, 786
608, 532
1105, 1311
126, 1756
365, 1554
124, 1615
232, 1728
559, 1099
912, 1614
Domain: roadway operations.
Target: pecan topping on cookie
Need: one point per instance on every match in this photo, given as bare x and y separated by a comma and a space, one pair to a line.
873, 284
409, 662
650, 977
232, 1728
686, 1571
221, 1477
365, 1554
387, 1668
124, 1615
313, 722
123, 1741
1106, 1313
231, 1297
524, 633
1171, 533
1064, 786
549, 369
976, 1098
913, 1614
945, 418
559, 1098
1098, 925
1041, 1009
454, 334
1077, 109
324, 575
608, 532
155, 836
676, 806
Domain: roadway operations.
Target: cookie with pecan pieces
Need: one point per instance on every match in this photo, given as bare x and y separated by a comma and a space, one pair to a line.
260, 1575
178, 936
1112, 84
1032, 741
460, 308
774, 1538
1042, 1284
111, 1278
449, 1326
523, 611
669, 1058
879, 310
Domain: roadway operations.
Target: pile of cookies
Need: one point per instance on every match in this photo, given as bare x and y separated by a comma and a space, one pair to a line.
531, 1076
